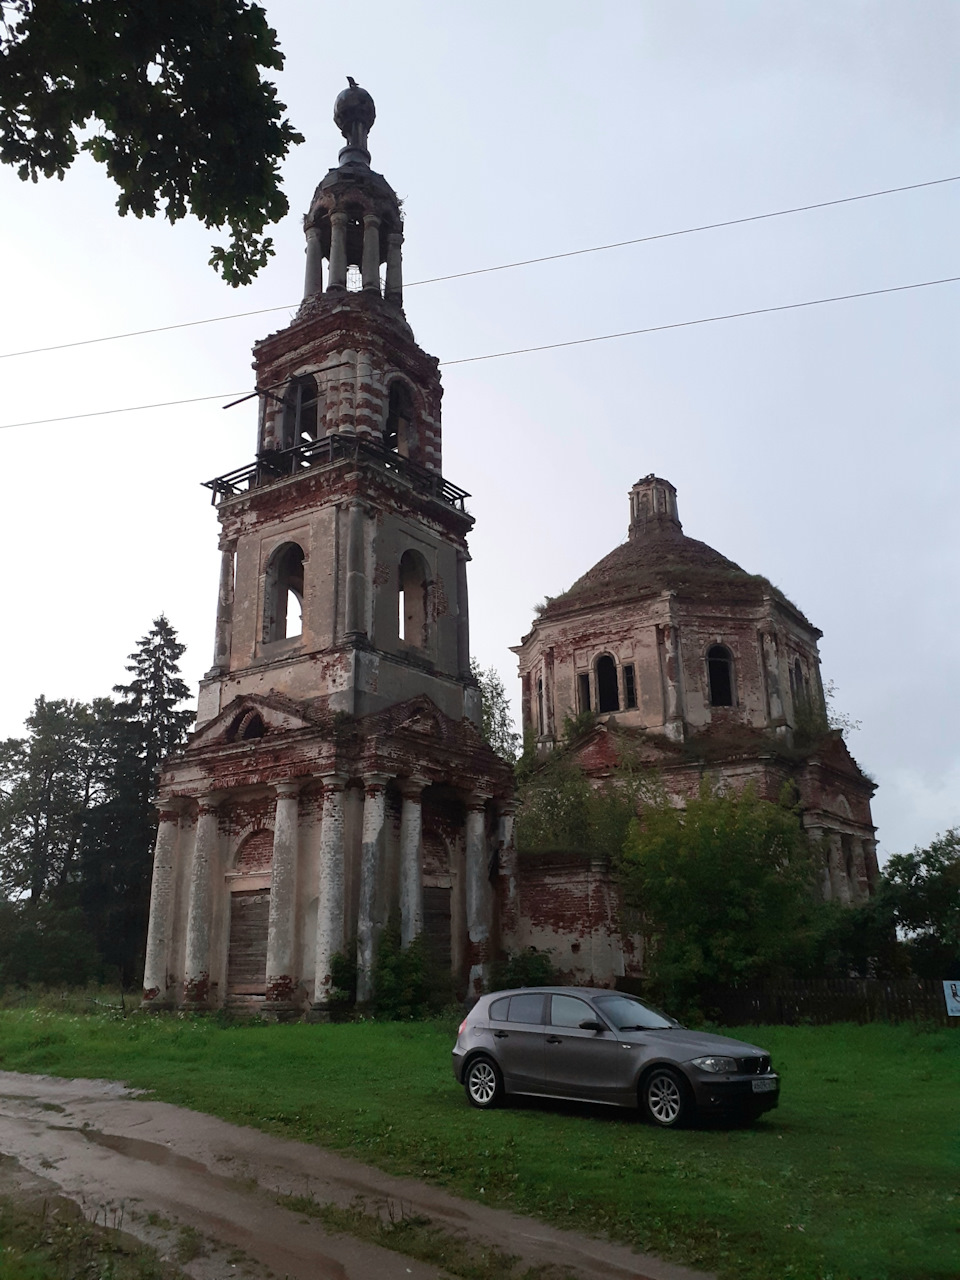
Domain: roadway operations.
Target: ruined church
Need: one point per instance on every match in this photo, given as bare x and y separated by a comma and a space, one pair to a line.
337, 778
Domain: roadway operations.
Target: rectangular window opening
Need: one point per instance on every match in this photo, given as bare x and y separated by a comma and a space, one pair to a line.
629, 687
583, 691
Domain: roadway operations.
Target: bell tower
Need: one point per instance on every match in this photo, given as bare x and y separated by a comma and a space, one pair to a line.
337, 779
344, 549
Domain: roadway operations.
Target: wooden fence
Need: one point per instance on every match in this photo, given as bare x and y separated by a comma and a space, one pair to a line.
830, 1000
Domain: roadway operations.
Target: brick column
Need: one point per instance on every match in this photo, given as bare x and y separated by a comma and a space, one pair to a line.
478, 894
156, 970
394, 281
196, 977
281, 927
356, 604
224, 630
672, 682
369, 925
330, 891
370, 264
411, 877
338, 251
313, 275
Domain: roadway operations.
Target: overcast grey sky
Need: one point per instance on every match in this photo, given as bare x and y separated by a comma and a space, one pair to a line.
818, 447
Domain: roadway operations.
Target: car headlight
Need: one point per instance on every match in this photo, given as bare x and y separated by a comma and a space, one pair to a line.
715, 1064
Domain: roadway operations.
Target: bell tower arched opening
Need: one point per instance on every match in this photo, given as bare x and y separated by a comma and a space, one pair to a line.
413, 619
283, 594
302, 412
398, 431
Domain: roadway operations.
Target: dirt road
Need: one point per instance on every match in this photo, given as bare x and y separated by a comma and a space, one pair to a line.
162, 1169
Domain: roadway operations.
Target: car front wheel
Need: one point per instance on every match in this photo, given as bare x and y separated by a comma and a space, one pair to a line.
483, 1083
665, 1098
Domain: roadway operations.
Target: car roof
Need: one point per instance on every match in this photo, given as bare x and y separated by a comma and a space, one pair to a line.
560, 991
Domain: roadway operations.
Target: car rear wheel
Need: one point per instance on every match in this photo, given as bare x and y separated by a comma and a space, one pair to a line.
665, 1098
483, 1083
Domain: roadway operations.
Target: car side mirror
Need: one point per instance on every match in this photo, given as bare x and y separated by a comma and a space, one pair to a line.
591, 1024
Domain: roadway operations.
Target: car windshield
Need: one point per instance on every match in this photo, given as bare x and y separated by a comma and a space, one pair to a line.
628, 1014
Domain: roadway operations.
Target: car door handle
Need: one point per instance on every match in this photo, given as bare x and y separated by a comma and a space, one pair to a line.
500, 1035
554, 1040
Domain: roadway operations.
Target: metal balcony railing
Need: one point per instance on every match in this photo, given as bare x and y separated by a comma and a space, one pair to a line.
273, 465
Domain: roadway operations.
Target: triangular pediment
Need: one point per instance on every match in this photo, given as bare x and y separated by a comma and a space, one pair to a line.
250, 718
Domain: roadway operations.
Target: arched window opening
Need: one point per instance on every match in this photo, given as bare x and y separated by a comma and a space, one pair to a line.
247, 726
398, 433
283, 598
413, 584
720, 675
302, 412
608, 695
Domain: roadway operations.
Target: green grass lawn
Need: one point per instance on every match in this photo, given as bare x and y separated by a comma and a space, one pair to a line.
854, 1177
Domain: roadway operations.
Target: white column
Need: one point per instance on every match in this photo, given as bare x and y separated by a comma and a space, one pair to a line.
508, 879
196, 977
281, 927
368, 925
330, 898
370, 266
157, 963
411, 876
338, 250
313, 275
477, 894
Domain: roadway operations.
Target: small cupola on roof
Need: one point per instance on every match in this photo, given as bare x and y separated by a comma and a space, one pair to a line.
653, 507
354, 219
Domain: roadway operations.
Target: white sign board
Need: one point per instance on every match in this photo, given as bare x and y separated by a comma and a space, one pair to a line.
951, 994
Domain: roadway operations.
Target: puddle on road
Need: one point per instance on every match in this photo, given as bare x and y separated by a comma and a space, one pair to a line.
140, 1149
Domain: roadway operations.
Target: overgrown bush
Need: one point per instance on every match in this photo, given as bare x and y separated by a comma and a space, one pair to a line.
408, 982
530, 968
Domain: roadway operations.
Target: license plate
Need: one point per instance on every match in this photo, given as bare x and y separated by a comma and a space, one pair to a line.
764, 1086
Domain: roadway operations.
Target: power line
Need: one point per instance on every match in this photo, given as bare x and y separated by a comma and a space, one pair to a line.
504, 266
686, 324
548, 346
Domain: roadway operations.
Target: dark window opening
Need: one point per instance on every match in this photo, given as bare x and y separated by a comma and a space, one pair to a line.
302, 412
283, 598
248, 724
540, 725
583, 690
720, 673
413, 619
629, 687
608, 695
397, 433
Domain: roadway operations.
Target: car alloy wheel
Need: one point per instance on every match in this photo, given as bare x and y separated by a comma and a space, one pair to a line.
665, 1098
482, 1083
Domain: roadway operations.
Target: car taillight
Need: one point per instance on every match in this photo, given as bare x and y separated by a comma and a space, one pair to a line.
462, 1025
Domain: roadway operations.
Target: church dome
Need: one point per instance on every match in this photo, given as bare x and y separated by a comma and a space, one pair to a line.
658, 556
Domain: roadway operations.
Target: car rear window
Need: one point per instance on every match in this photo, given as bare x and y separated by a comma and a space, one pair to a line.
526, 1008
498, 1010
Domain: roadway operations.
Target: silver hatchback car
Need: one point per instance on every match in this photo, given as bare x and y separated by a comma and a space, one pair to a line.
593, 1045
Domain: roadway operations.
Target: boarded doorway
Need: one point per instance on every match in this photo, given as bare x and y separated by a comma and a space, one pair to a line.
436, 924
247, 959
